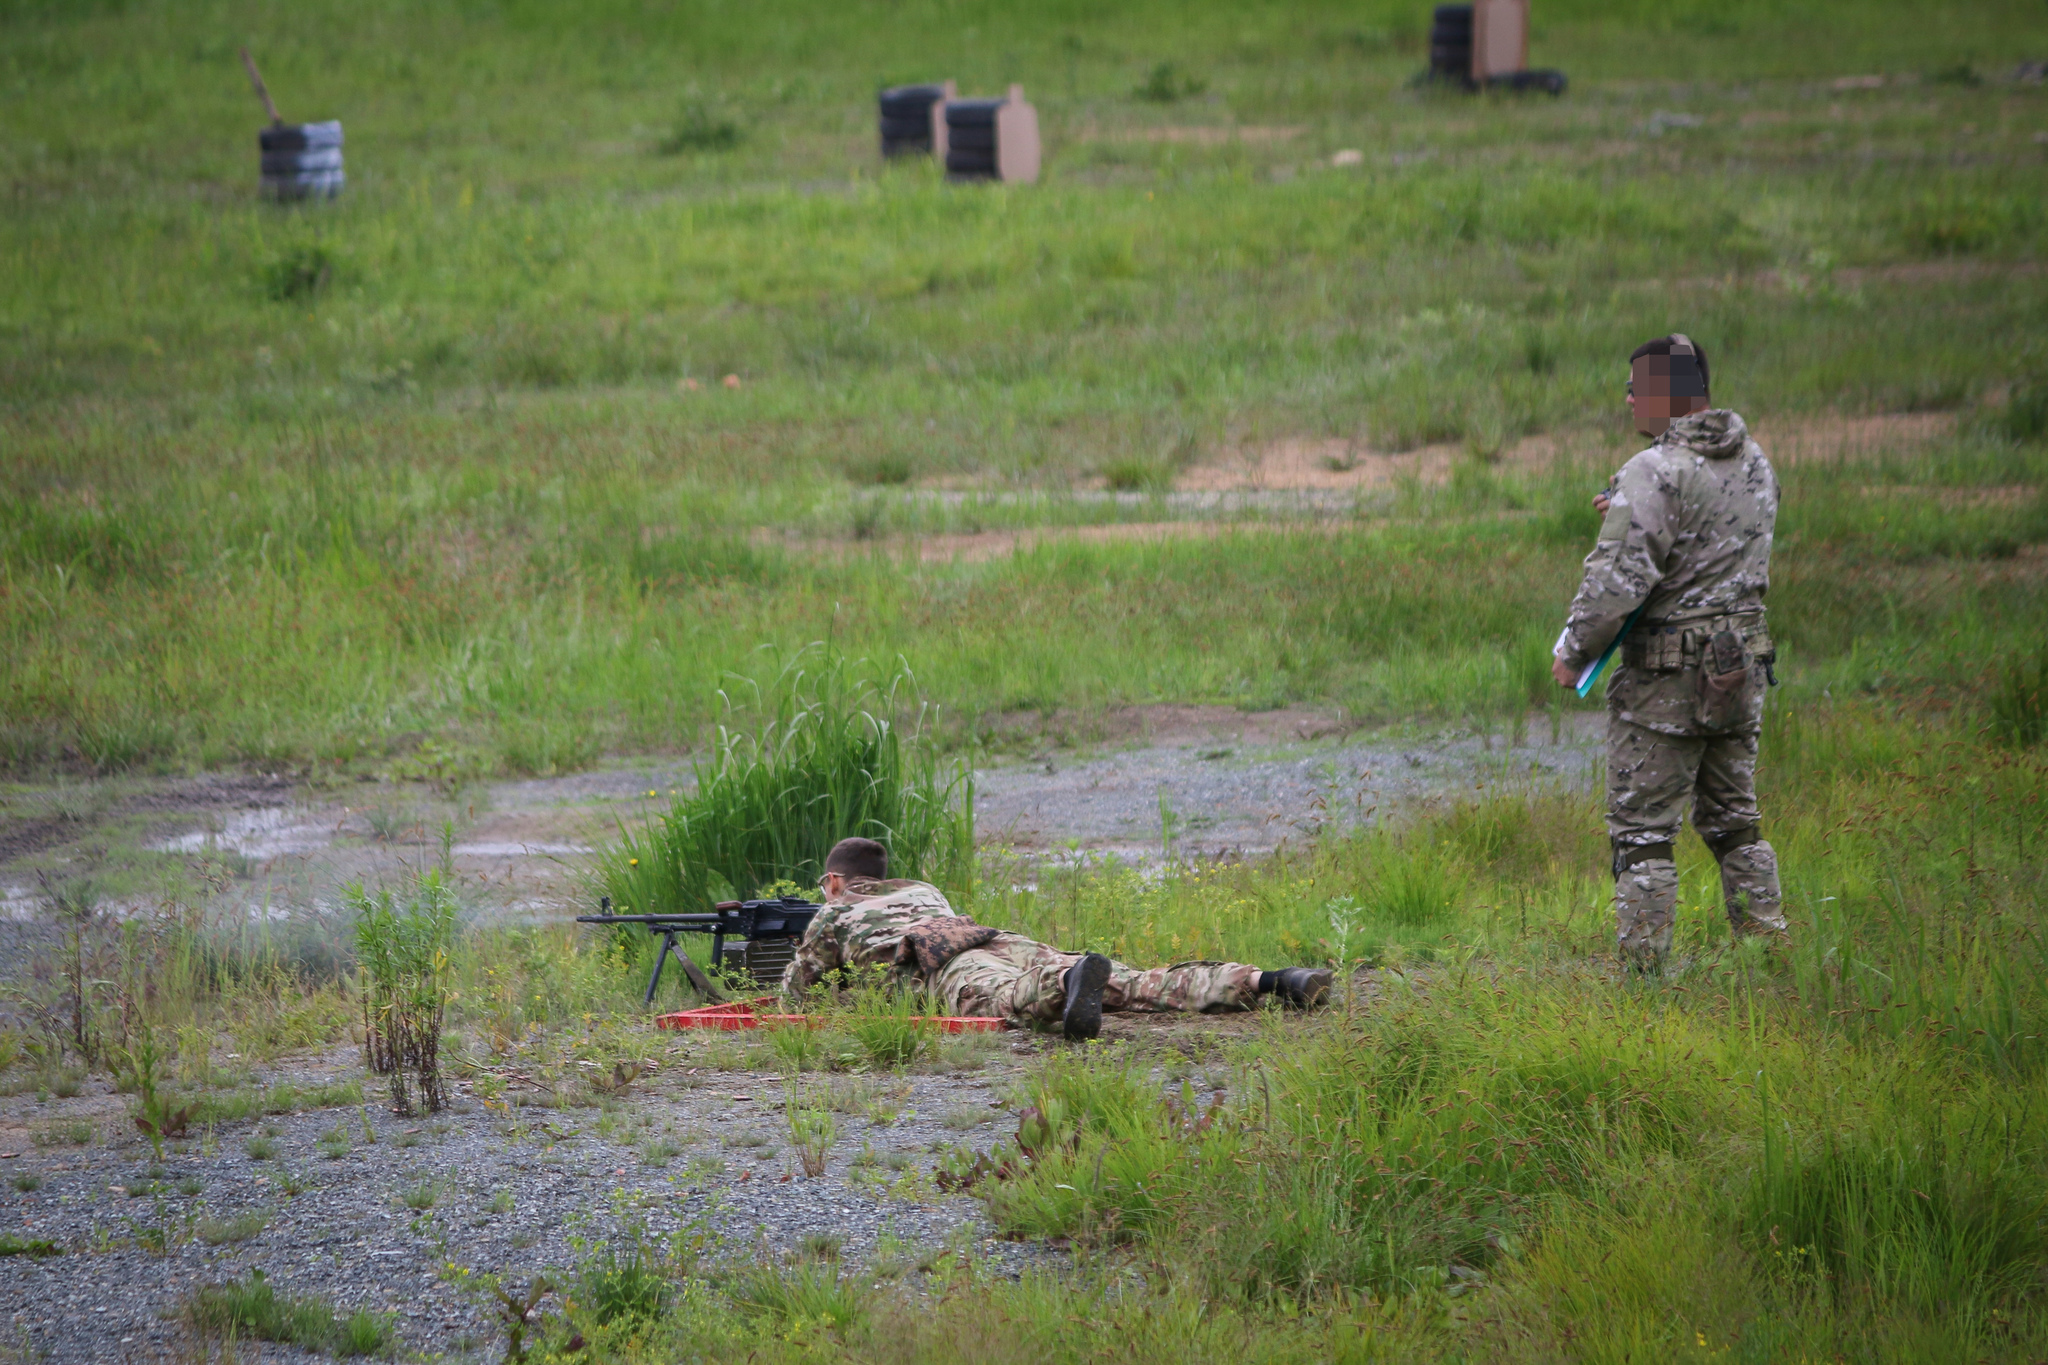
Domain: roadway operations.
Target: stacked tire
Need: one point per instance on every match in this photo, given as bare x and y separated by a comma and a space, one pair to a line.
907, 119
1450, 44
301, 160
971, 138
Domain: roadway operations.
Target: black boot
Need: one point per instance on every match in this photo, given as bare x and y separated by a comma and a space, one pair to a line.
1085, 980
1303, 987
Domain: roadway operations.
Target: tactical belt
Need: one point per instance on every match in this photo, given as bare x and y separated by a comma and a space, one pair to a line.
1667, 646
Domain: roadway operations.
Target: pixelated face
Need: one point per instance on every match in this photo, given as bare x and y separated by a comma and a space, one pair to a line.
1662, 387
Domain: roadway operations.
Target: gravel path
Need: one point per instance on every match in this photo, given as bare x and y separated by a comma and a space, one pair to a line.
695, 1145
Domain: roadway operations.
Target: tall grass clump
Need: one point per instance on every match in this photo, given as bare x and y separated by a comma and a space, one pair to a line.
1946, 1219
403, 948
817, 755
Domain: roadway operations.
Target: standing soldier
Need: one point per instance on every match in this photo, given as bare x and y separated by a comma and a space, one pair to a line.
1685, 556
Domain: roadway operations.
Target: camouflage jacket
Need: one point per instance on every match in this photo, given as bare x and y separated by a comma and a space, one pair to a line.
862, 929
1688, 532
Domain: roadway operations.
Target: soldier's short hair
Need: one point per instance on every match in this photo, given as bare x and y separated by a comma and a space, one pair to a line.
1678, 346
858, 857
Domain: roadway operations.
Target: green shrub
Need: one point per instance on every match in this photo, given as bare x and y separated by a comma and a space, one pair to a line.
814, 757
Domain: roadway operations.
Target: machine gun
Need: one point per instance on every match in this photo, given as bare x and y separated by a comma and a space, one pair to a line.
767, 932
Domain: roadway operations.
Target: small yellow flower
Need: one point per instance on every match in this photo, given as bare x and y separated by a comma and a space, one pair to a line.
632, 862
650, 793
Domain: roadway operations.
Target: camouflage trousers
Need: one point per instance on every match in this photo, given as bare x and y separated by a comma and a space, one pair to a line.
1651, 776
1015, 978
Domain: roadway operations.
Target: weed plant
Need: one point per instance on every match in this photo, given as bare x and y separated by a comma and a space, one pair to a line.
403, 952
811, 1131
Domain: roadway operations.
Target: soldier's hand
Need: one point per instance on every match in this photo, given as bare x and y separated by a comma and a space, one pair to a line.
1566, 675
1601, 502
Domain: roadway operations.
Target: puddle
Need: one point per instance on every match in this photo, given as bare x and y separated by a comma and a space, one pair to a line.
256, 834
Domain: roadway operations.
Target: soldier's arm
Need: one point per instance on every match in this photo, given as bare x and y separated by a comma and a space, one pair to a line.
817, 953
1627, 562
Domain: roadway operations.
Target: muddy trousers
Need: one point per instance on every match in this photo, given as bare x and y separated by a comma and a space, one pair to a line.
1015, 978
1650, 778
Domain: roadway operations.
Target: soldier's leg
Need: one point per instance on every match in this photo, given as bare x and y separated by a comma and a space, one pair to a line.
1194, 986
1649, 777
1011, 977
1725, 814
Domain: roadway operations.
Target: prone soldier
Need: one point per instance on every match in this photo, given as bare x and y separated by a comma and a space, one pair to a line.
909, 929
1685, 554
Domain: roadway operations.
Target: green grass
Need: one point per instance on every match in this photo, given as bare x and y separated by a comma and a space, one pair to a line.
456, 491
441, 481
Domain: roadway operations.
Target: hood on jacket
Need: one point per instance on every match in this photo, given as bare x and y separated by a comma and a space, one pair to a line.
1716, 433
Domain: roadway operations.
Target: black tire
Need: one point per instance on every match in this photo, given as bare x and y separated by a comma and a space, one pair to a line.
972, 113
297, 163
972, 139
904, 146
927, 93
970, 163
299, 137
913, 101
907, 127
321, 185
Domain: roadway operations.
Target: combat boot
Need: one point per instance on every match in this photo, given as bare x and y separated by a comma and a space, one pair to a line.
1082, 1017
1302, 987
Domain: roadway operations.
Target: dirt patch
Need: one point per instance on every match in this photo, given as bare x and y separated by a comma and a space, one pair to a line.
1300, 464
980, 546
1334, 464
1800, 440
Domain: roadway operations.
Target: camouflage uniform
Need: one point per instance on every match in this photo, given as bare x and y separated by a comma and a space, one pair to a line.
863, 929
1010, 977
1024, 981
1687, 537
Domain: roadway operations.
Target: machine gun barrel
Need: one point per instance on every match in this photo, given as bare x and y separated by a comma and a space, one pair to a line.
754, 921
705, 921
